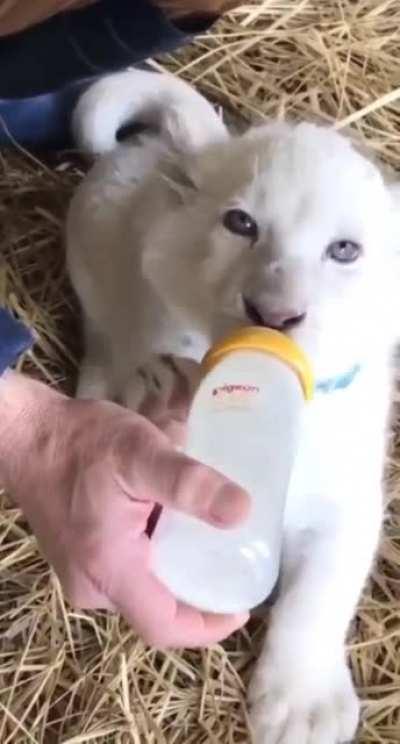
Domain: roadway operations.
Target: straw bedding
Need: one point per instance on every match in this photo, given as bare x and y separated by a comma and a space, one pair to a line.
68, 676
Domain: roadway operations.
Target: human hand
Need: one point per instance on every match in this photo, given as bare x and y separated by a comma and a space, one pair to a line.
18, 15
87, 476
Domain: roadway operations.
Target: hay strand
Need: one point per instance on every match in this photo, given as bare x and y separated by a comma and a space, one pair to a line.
75, 677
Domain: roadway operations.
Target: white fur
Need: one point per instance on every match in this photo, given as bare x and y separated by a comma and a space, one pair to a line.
162, 100
156, 272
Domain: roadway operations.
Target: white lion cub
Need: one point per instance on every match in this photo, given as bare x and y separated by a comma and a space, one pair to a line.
189, 233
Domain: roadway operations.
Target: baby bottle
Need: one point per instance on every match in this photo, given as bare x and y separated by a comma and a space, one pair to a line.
244, 422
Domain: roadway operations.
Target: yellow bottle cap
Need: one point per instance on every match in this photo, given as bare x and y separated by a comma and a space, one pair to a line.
270, 342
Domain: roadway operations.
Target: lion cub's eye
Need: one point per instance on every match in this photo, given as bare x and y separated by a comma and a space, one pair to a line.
344, 251
239, 222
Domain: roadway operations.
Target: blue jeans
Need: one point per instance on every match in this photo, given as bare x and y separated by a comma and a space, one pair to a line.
44, 69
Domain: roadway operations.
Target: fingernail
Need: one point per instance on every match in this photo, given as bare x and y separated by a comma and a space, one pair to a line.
230, 505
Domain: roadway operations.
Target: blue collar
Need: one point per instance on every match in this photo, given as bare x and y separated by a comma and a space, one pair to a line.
337, 383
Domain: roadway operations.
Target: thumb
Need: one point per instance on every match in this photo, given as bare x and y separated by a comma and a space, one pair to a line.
148, 468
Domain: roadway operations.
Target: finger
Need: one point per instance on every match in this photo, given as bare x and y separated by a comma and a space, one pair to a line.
153, 407
199, 629
171, 422
180, 399
148, 468
81, 591
154, 613
160, 411
174, 429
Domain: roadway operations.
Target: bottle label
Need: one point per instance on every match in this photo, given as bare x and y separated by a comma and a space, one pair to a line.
234, 395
